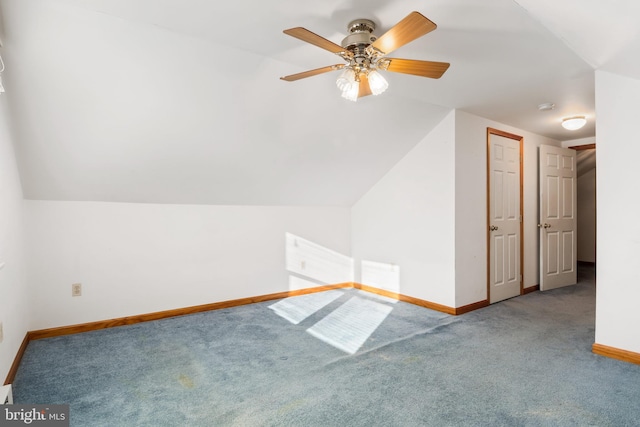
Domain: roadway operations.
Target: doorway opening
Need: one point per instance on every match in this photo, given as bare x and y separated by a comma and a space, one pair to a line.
586, 206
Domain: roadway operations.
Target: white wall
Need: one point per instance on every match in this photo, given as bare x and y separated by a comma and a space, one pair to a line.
428, 215
618, 206
407, 218
140, 258
471, 205
14, 305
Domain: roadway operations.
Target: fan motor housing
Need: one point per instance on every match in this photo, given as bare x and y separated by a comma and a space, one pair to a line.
361, 34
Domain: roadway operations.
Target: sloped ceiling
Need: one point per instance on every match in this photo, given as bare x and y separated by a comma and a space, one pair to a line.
179, 101
605, 34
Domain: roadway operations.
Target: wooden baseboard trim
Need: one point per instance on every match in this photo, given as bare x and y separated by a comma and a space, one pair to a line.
377, 291
405, 298
471, 307
130, 320
423, 303
16, 361
616, 353
428, 304
530, 289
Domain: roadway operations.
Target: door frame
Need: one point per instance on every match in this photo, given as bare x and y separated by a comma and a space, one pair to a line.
520, 139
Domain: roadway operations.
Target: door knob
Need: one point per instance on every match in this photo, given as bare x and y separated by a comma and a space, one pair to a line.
547, 225
493, 228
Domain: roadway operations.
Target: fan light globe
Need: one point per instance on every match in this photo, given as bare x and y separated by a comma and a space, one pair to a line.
574, 123
347, 77
350, 92
377, 83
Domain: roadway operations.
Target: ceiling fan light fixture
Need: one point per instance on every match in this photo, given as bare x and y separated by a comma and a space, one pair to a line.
351, 91
346, 78
377, 83
574, 123
365, 54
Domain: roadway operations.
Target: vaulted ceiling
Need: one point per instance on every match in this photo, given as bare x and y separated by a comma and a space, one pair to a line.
180, 101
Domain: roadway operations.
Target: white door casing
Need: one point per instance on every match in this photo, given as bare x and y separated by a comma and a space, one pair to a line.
558, 201
504, 215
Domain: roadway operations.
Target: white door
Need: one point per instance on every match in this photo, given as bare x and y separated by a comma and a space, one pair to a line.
504, 234
557, 224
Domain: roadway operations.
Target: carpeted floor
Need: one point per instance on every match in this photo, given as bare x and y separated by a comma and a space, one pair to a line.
343, 358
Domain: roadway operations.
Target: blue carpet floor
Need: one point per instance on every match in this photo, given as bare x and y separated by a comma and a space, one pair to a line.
342, 358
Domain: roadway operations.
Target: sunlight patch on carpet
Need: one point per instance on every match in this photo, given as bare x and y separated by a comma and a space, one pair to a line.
296, 309
351, 324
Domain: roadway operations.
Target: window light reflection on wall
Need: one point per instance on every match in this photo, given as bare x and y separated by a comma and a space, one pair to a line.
1, 70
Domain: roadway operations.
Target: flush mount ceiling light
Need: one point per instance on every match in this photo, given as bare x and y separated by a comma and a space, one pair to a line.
574, 123
365, 55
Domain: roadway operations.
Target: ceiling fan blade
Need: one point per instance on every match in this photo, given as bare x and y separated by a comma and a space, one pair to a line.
410, 28
310, 73
364, 88
431, 69
309, 37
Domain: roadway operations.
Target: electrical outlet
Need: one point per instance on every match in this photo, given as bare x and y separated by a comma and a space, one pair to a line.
1, 332
76, 290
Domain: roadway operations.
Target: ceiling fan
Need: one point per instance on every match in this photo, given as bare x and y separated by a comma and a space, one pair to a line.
365, 54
